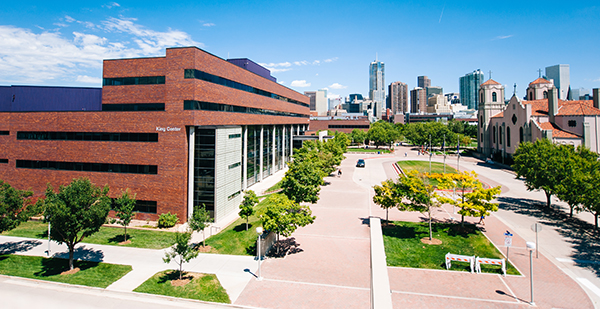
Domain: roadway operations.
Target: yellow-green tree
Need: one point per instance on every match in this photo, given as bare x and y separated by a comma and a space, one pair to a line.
385, 197
474, 200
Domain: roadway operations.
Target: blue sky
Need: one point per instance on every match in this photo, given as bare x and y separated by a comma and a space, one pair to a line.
308, 45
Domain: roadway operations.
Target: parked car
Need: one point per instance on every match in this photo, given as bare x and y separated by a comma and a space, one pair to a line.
360, 163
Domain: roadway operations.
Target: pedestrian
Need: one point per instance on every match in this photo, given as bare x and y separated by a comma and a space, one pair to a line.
340, 172
406, 154
481, 220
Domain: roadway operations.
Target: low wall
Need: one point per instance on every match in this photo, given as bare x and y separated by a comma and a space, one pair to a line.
381, 294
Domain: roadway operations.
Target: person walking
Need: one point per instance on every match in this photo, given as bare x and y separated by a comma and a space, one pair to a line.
339, 172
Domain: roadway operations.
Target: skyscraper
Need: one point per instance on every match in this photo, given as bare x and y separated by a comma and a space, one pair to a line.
469, 87
418, 100
423, 82
398, 94
377, 86
562, 80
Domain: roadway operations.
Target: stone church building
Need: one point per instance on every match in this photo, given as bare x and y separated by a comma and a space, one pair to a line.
503, 126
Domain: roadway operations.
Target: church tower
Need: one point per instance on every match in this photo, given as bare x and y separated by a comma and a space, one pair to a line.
491, 102
538, 89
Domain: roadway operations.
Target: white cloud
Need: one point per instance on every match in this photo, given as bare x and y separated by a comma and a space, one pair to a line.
300, 83
273, 65
281, 82
208, 25
337, 86
30, 57
111, 5
597, 80
275, 70
330, 59
304, 62
89, 80
316, 62
502, 37
333, 96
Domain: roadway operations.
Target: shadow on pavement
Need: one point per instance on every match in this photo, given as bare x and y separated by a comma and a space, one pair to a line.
582, 235
82, 253
18, 246
285, 247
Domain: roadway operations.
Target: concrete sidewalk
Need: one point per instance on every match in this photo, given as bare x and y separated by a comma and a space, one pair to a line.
233, 271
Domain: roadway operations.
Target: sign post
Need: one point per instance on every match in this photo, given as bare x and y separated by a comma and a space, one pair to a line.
536, 227
507, 241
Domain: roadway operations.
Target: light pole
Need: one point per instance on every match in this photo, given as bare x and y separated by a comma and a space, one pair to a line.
430, 153
48, 252
530, 248
259, 231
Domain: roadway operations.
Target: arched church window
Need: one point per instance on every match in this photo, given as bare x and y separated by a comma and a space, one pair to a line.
481, 97
494, 135
520, 135
545, 94
494, 97
507, 136
500, 136
481, 121
530, 95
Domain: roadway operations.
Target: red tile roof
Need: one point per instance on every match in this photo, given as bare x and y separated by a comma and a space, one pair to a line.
556, 131
491, 82
499, 115
565, 108
540, 81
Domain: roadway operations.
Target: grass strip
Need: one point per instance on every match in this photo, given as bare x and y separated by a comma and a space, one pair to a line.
235, 239
403, 246
106, 236
93, 274
205, 287
368, 150
423, 166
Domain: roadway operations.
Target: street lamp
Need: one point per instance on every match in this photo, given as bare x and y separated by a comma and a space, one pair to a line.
259, 231
530, 248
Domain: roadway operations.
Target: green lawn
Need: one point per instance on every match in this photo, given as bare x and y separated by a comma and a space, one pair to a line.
204, 287
91, 274
235, 239
371, 150
106, 235
275, 187
423, 167
403, 246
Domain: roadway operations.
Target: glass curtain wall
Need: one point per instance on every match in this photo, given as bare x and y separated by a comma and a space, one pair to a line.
204, 169
253, 151
278, 148
267, 150
286, 145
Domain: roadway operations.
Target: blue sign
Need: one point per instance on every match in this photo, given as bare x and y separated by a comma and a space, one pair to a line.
508, 234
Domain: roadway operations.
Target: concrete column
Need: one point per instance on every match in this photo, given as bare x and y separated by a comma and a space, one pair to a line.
245, 158
283, 145
291, 142
273, 151
191, 152
260, 175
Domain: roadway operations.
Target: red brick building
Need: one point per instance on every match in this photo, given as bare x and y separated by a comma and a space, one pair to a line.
188, 128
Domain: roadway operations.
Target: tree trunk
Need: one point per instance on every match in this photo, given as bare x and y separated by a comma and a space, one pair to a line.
277, 243
386, 215
246, 223
203, 239
430, 232
126, 233
571, 212
548, 195
180, 266
596, 220
71, 252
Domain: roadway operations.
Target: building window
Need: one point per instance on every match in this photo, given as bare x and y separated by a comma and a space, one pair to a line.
125, 81
89, 136
3, 160
191, 73
217, 107
500, 137
545, 94
89, 167
494, 134
229, 198
572, 123
135, 107
481, 138
507, 136
140, 206
234, 165
4, 133
481, 97
481, 121
530, 95
204, 169
520, 135
235, 135
494, 97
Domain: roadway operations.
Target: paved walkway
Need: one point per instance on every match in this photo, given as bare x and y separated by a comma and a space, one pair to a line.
333, 268
230, 269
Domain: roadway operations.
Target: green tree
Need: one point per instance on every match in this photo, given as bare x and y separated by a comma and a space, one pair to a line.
15, 206
302, 181
124, 208
461, 183
181, 252
75, 212
419, 192
537, 163
385, 197
247, 205
358, 136
591, 195
283, 216
200, 220
575, 169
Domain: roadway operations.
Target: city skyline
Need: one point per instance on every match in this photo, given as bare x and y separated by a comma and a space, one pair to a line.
64, 44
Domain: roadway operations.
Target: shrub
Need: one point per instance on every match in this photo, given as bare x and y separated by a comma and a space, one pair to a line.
166, 220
